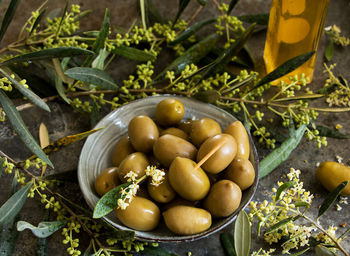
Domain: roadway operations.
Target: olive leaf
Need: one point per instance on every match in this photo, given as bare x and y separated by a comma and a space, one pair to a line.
21, 129
271, 161
323, 251
81, 15
279, 224
242, 234
300, 253
302, 204
62, 18
331, 133
42, 247
70, 176
231, 6
9, 14
44, 229
157, 251
37, 21
331, 197
143, 14
207, 96
283, 187
182, 6
227, 242
132, 53
61, 89
152, 12
260, 19
92, 76
329, 52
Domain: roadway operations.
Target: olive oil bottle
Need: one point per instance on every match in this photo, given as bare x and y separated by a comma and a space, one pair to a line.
295, 27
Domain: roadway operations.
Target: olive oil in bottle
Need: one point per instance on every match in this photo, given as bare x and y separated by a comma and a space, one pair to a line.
295, 27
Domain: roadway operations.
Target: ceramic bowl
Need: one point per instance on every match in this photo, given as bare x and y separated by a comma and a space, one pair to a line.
97, 151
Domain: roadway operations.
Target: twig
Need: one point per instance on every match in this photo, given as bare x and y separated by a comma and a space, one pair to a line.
195, 14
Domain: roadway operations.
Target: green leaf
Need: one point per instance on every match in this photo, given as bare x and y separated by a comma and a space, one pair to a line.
182, 6
302, 204
157, 251
227, 242
192, 55
284, 68
42, 249
70, 176
331, 197
279, 225
81, 15
331, 133
14, 204
35, 99
299, 253
92, 76
108, 201
61, 89
329, 52
95, 114
283, 187
323, 251
260, 19
132, 53
87, 252
143, 14
207, 96
202, 2
242, 234
191, 30
21, 129
48, 54
62, 18
246, 122
99, 61
37, 21
44, 229
231, 6
9, 14
270, 162
153, 13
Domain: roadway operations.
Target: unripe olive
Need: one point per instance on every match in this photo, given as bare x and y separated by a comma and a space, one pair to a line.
169, 112
121, 149
107, 180
186, 126
203, 129
136, 162
163, 193
241, 171
237, 131
176, 132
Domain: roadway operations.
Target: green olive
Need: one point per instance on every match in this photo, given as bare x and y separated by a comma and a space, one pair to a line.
186, 126
223, 199
331, 174
142, 214
163, 193
167, 147
222, 157
176, 132
191, 184
187, 220
169, 112
121, 149
241, 172
237, 131
203, 129
136, 162
106, 180
143, 132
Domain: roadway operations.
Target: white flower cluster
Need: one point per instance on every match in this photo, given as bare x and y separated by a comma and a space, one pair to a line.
156, 174
128, 193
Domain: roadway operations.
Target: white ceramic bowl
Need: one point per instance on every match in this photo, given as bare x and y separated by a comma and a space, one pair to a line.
97, 151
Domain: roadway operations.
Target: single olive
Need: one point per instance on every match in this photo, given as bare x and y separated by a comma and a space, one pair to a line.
107, 180
169, 112
223, 199
136, 162
191, 184
222, 157
142, 214
143, 132
241, 171
176, 132
186, 126
187, 220
121, 149
168, 146
203, 129
331, 174
237, 131
163, 193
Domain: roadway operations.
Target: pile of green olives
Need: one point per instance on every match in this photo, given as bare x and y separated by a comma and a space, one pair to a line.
190, 195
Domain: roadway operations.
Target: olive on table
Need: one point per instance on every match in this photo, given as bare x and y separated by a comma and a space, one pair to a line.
142, 214
331, 174
168, 146
169, 112
223, 199
237, 131
187, 220
136, 162
176, 132
163, 193
121, 149
107, 180
203, 129
222, 157
190, 183
241, 171
143, 132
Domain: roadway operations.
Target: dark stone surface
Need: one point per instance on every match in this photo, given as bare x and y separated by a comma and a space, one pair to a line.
64, 121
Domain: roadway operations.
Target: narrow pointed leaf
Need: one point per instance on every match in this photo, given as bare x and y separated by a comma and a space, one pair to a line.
108, 201
99, 61
157, 251
44, 229
132, 53
270, 162
43, 247
329, 52
61, 89
285, 68
242, 234
81, 15
35, 99
182, 6
302, 204
87, 252
14, 204
260, 19
246, 122
92, 76
299, 253
231, 6
282, 188
21, 129
279, 225
62, 18
227, 242
48, 54
143, 13
323, 251
192, 30
9, 14
329, 200
37, 21
152, 13
331, 133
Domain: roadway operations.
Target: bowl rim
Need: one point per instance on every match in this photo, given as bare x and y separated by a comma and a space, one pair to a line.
176, 238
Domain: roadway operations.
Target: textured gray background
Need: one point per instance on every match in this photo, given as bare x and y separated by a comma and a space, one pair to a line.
63, 121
